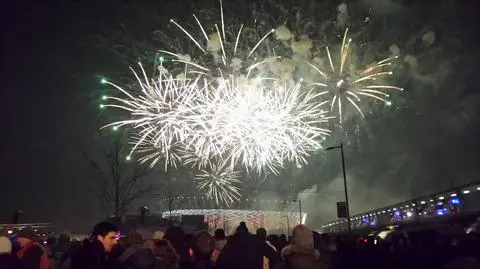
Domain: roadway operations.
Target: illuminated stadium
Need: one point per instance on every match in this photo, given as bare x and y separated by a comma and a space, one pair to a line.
228, 219
276, 216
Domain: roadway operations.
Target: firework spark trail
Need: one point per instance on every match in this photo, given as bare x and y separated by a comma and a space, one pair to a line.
221, 42
343, 89
220, 183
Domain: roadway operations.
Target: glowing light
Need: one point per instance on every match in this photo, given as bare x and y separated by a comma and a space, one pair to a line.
455, 201
104, 97
422, 202
103, 81
345, 87
409, 214
441, 198
466, 191
453, 195
441, 212
128, 158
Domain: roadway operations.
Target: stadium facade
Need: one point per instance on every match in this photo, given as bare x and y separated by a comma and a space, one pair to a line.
277, 216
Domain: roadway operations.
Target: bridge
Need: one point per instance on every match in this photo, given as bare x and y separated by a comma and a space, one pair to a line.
454, 203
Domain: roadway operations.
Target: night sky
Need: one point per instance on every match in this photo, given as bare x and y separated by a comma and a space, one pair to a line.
52, 56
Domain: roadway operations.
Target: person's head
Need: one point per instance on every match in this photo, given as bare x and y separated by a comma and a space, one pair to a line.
105, 233
262, 233
157, 235
176, 236
220, 234
64, 239
203, 245
134, 238
163, 249
242, 228
302, 237
273, 238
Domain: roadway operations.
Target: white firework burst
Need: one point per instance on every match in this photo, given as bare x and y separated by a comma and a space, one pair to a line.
262, 125
219, 183
161, 115
347, 88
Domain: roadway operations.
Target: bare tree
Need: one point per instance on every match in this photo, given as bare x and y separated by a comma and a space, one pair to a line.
175, 189
118, 181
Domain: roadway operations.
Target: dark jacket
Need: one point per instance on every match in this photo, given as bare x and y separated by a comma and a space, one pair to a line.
245, 251
92, 256
144, 258
202, 264
9, 261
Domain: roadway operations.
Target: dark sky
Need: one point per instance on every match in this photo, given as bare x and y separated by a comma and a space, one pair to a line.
50, 58
46, 123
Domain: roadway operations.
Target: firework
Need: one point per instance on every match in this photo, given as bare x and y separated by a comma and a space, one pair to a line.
219, 183
346, 88
161, 113
262, 125
233, 114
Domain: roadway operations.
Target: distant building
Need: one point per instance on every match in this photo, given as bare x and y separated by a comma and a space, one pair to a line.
42, 230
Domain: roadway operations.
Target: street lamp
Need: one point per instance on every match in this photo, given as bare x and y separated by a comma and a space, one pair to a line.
288, 225
299, 208
344, 183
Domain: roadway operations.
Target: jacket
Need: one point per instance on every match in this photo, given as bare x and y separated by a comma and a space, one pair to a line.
33, 256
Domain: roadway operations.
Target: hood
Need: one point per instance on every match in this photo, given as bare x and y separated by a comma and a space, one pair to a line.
302, 237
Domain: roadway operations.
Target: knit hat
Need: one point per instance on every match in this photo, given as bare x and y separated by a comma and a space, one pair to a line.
5, 245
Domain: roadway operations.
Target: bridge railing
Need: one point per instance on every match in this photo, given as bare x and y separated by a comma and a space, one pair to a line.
462, 199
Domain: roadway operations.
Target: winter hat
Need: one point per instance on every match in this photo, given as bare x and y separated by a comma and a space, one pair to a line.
158, 235
5, 245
